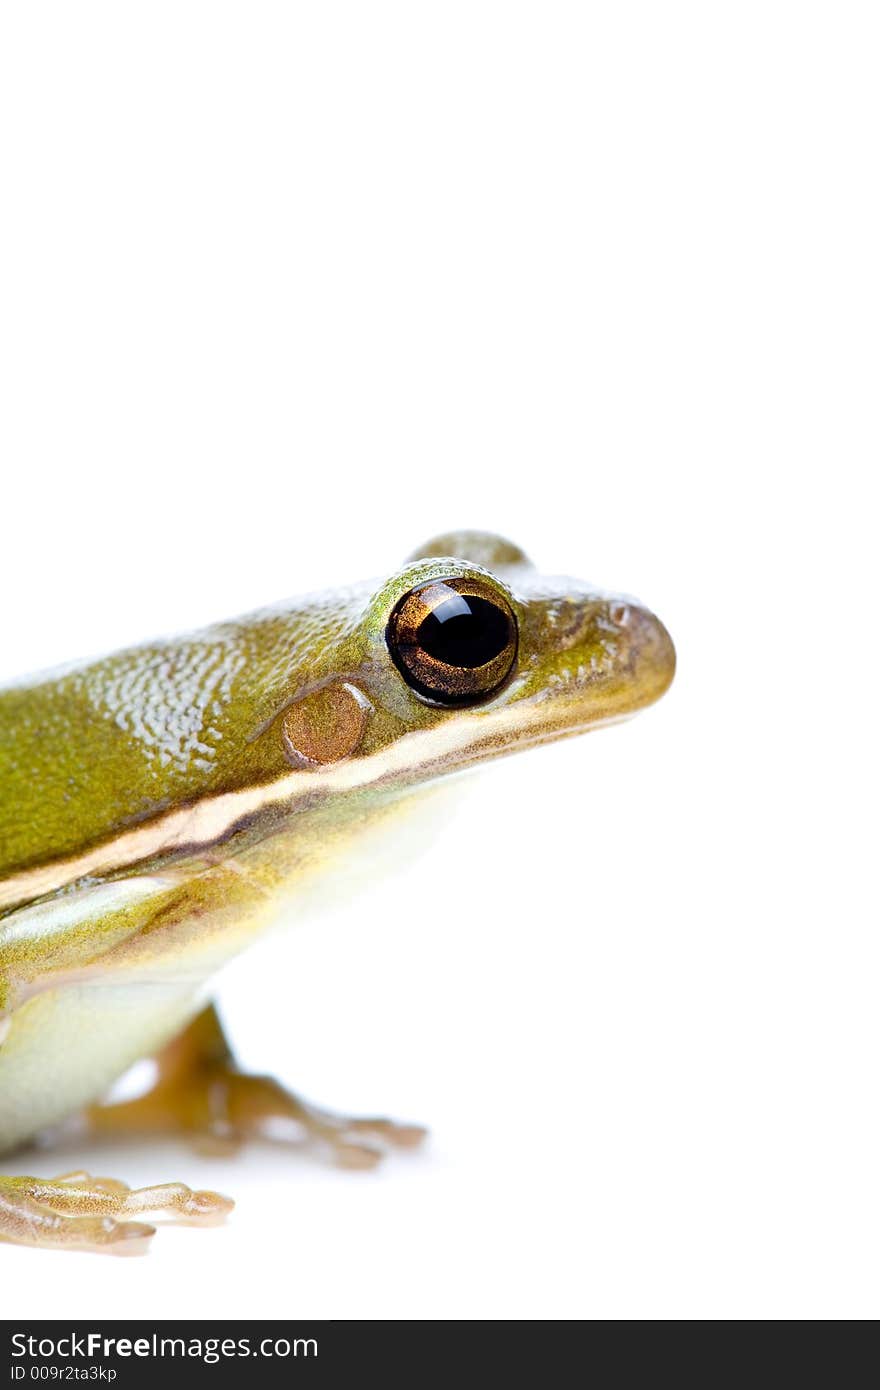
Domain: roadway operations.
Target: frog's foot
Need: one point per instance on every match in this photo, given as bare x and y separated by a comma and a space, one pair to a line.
201, 1092
252, 1103
78, 1212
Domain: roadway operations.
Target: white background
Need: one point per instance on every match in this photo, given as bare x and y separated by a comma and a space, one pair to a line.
287, 289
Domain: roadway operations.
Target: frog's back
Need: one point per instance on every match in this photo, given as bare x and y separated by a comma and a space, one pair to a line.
94, 749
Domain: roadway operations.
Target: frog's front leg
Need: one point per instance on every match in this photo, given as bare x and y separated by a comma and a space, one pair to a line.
62, 974
201, 1092
78, 1212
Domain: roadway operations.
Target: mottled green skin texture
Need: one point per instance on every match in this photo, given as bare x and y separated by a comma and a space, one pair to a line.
91, 750
109, 744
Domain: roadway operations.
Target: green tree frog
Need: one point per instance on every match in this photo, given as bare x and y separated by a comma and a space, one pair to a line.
159, 807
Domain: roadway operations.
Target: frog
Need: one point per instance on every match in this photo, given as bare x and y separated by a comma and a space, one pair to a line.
161, 808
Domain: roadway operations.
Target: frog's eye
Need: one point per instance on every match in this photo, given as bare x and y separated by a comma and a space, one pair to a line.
453, 640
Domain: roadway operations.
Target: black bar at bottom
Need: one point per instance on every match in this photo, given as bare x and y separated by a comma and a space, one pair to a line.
135, 1353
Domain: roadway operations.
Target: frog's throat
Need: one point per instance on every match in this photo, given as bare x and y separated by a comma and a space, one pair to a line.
414, 758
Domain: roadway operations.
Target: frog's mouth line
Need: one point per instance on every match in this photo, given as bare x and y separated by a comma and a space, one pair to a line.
423, 755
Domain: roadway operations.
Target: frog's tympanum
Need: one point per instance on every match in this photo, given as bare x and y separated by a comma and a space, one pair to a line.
159, 807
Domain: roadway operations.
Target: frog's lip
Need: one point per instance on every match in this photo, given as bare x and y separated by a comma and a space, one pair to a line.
585, 699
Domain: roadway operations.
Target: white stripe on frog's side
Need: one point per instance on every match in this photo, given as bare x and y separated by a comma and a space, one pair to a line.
443, 748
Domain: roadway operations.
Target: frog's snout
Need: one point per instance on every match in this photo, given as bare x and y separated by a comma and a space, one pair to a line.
647, 648
592, 657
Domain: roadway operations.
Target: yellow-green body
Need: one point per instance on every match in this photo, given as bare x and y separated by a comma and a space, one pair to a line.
154, 816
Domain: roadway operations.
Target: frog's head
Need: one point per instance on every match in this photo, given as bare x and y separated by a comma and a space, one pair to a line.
332, 704
465, 653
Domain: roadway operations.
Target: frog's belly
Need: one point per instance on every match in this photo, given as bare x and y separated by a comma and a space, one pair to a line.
66, 1047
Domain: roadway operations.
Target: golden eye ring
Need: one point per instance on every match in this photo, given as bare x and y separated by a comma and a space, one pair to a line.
454, 640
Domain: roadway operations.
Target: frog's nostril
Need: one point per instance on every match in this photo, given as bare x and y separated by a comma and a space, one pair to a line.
619, 614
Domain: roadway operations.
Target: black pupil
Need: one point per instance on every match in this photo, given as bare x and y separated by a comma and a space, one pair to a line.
464, 630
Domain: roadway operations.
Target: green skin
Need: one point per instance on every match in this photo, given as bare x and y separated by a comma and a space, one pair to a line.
152, 819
